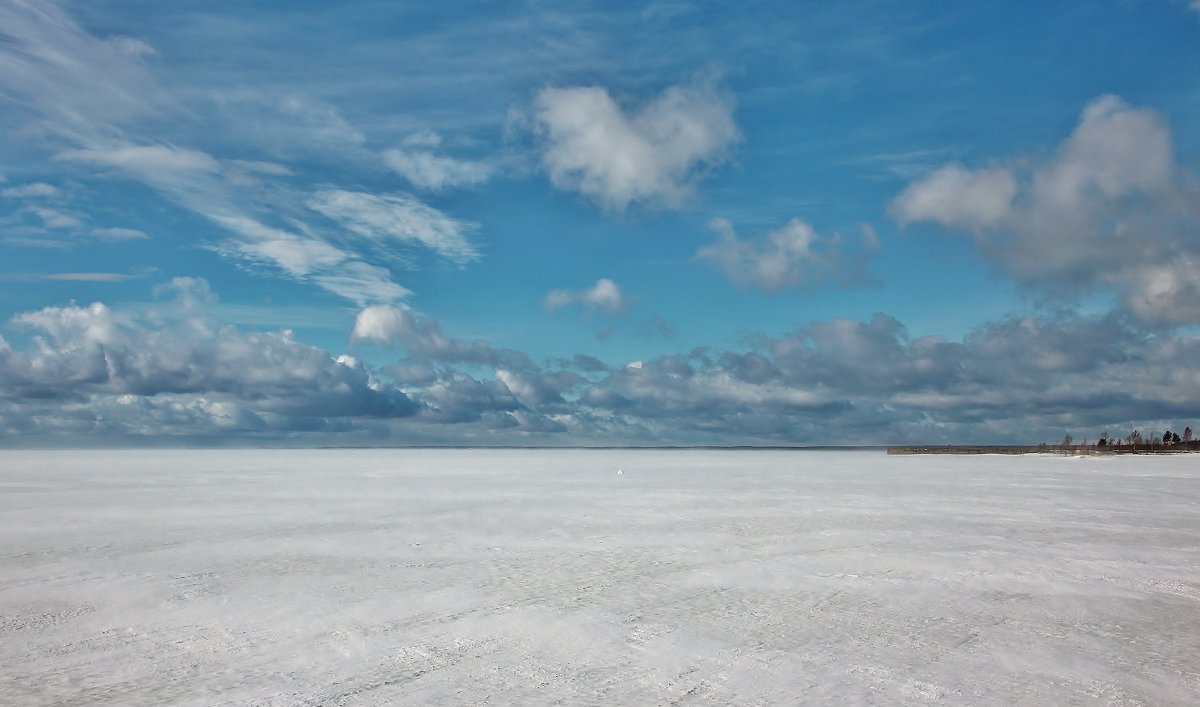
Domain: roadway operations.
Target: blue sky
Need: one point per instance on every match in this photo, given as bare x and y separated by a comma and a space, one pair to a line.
597, 223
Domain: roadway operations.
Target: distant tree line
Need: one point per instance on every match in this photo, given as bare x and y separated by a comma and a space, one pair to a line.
1136, 441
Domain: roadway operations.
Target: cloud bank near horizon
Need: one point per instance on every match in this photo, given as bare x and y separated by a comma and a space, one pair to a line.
93, 373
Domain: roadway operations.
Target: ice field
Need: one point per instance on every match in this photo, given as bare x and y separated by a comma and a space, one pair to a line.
545, 577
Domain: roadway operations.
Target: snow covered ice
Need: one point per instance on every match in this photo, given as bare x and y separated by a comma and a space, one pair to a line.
531, 577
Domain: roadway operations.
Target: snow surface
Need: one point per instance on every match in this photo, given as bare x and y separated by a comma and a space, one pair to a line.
532, 577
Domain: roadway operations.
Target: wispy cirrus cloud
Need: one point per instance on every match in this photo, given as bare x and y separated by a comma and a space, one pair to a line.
76, 277
76, 86
35, 190
117, 233
418, 162
145, 160
54, 218
98, 106
654, 156
397, 217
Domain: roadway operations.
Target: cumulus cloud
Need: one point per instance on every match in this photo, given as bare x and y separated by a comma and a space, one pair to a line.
653, 156
97, 370
959, 198
605, 296
1109, 209
795, 255
172, 372
422, 337
99, 360
520, 397
1020, 379
385, 324
1012, 380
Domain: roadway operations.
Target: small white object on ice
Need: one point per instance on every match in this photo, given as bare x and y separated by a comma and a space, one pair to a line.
619, 472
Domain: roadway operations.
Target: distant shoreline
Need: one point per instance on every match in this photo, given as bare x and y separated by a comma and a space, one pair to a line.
1041, 449
1012, 449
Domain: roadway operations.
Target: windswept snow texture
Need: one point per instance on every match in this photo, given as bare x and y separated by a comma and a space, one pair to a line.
531, 577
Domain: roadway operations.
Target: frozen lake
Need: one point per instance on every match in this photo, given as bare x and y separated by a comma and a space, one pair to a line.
534, 577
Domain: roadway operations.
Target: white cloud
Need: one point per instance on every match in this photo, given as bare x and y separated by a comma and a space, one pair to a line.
654, 156
428, 139
386, 324
173, 370
145, 159
312, 259
195, 181
85, 326
89, 276
36, 190
79, 84
87, 95
260, 167
397, 217
362, 283
558, 299
119, 234
189, 293
97, 356
131, 46
54, 218
427, 170
795, 255
295, 254
958, 198
605, 296
422, 337
1167, 293
320, 123
1109, 209
534, 388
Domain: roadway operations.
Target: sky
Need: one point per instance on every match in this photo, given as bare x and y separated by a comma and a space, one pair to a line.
597, 223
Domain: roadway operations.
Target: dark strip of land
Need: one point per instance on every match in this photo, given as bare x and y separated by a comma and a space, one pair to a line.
1045, 449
